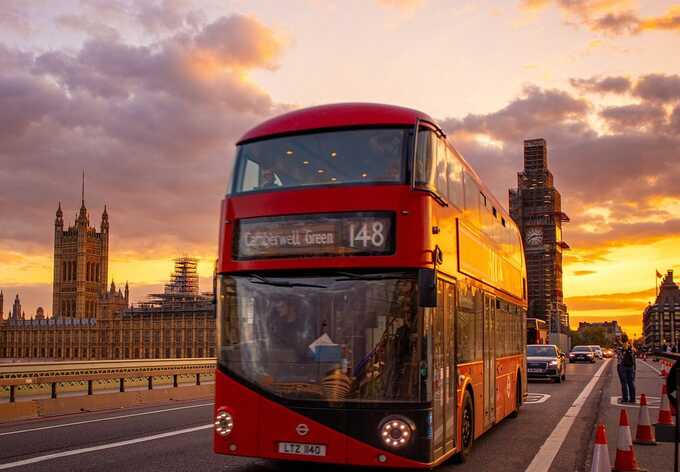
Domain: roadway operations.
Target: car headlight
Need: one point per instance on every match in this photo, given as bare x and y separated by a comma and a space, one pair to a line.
553, 363
224, 423
396, 431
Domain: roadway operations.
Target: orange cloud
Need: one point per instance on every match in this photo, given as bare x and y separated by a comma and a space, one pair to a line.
669, 21
609, 16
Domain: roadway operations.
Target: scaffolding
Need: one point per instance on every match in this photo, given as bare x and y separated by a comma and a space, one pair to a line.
181, 294
536, 206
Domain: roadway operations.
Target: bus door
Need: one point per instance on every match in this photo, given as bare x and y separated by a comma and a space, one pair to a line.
489, 356
443, 408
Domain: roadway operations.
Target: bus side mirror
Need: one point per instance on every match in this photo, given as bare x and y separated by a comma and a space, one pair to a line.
427, 288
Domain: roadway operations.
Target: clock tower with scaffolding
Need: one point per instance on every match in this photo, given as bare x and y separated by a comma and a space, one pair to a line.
536, 207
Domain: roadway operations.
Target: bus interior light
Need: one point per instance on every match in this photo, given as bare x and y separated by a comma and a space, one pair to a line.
224, 423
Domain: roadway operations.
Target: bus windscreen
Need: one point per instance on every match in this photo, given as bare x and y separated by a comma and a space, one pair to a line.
340, 337
354, 156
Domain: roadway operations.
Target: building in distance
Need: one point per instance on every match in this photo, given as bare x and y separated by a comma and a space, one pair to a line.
536, 207
661, 319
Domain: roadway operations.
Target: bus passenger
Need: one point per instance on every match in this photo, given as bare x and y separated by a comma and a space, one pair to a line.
269, 179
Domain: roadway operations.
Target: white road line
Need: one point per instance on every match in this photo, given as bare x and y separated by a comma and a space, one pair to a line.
546, 454
104, 419
74, 452
650, 366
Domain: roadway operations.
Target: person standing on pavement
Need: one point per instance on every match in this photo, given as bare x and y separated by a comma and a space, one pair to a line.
625, 358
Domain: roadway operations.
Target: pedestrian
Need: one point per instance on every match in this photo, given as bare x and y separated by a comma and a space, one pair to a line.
625, 358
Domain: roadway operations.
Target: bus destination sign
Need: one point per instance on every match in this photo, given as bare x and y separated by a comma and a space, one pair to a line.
328, 234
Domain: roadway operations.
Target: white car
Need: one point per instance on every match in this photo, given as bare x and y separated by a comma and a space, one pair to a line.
598, 351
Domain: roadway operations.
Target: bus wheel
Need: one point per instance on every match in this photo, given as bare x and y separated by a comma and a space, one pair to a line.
518, 398
467, 429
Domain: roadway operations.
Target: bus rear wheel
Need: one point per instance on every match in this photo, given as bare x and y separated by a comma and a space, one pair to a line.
467, 429
518, 397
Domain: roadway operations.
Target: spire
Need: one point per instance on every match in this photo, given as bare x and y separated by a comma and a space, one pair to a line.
105, 220
59, 220
127, 292
82, 219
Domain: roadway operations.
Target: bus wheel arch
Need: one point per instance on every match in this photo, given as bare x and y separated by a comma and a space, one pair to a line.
467, 427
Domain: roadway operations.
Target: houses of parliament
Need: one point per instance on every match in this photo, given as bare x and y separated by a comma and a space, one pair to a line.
93, 319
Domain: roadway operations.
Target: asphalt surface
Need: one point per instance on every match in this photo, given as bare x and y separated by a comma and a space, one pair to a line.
179, 438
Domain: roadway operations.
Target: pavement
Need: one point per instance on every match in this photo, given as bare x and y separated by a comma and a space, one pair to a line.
647, 381
554, 432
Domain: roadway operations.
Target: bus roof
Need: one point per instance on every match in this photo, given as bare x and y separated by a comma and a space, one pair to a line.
335, 116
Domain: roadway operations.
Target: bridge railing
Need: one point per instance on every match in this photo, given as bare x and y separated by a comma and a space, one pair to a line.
17, 375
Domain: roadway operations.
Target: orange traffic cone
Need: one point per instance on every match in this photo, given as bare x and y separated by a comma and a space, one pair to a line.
663, 372
601, 452
644, 433
665, 416
625, 456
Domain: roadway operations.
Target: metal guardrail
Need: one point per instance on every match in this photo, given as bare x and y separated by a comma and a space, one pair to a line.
39, 373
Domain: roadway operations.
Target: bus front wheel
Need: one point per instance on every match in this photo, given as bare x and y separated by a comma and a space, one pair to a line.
467, 428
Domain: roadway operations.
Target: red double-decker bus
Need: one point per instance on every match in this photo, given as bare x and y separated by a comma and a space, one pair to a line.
371, 294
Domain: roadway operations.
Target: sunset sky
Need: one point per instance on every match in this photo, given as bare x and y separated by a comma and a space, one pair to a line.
148, 98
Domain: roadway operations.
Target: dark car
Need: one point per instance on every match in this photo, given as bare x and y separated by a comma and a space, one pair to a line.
582, 354
545, 361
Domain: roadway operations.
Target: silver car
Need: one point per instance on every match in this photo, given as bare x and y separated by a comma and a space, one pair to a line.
546, 361
597, 350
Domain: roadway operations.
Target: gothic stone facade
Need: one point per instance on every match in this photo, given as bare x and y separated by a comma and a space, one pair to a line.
81, 258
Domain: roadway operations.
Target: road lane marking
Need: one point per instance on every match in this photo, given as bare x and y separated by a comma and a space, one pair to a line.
533, 398
546, 454
105, 419
650, 366
75, 452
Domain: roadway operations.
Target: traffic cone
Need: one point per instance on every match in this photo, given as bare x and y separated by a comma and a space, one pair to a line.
644, 433
663, 372
665, 416
625, 456
601, 452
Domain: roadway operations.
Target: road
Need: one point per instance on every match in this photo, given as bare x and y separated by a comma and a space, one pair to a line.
177, 437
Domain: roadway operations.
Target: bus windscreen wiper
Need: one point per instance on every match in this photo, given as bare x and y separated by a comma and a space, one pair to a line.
353, 276
281, 283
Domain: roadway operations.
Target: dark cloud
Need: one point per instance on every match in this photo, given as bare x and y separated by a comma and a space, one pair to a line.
617, 23
153, 126
526, 115
625, 171
618, 85
627, 117
658, 88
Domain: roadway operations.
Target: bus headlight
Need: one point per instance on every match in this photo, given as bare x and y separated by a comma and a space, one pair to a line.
224, 423
396, 432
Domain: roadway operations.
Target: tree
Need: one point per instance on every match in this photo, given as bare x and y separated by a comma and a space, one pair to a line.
591, 335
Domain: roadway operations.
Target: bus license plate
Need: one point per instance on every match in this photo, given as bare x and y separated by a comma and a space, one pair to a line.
302, 449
